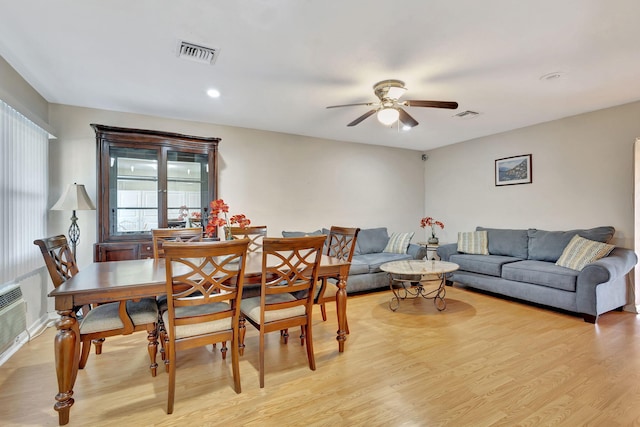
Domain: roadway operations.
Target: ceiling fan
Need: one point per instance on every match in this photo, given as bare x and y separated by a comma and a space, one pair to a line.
389, 108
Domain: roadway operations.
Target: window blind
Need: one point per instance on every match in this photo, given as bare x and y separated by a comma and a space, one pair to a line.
23, 193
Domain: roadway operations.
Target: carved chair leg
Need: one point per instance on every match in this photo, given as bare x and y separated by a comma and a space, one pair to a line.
302, 335
166, 346
323, 310
84, 355
284, 333
242, 330
152, 337
223, 350
98, 343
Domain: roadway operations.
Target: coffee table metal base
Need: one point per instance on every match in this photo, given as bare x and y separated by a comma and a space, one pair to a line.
403, 288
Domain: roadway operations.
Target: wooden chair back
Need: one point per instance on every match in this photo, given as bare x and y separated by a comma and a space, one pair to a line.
162, 235
58, 258
204, 288
342, 244
255, 234
289, 265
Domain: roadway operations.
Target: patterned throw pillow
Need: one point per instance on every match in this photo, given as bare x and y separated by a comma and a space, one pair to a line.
580, 252
398, 243
473, 242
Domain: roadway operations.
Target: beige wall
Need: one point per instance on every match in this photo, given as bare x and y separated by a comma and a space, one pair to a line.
582, 177
286, 182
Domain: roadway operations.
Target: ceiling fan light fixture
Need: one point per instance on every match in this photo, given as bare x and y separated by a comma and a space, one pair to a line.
388, 116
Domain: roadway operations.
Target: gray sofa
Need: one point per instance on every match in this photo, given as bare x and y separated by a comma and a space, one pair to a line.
522, 264
369, 255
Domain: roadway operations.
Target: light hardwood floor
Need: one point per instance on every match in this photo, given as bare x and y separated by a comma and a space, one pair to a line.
484, 361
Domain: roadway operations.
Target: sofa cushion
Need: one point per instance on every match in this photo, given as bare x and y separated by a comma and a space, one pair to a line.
507, 242
398, 243
541, 273
371, 240
358, 266
473, 242
301, 233
580, 252
482, 264
375, 260
548, 245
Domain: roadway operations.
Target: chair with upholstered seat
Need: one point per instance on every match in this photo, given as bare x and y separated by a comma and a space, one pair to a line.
255, 234
289, 276
105, 320
159, 236
342, 244
204, 287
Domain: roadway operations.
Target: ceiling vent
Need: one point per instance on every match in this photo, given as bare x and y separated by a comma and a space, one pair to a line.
197, 53
468, 114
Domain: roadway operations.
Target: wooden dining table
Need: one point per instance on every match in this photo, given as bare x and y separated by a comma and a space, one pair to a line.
103, 282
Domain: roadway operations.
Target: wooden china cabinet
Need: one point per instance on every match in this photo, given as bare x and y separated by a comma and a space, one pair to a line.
150, 179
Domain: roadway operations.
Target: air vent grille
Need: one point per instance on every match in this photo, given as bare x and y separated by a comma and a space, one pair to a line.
468, 114
197, 53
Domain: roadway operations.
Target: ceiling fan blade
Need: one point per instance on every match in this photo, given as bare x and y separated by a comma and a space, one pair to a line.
406, 119
433, 104
362, 117
351, 105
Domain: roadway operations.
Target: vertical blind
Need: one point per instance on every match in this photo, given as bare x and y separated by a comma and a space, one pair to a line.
23, 193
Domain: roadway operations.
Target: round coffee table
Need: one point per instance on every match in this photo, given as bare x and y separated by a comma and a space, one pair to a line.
415, 278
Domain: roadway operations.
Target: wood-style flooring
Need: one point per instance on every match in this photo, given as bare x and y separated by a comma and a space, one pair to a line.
484, 361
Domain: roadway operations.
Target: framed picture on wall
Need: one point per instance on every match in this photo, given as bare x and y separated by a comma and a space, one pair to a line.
514, 170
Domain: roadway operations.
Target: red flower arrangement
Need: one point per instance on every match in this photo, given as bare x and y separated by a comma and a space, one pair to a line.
430, 222
216, 220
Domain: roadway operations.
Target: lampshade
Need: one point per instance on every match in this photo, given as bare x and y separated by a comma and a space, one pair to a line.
387, 116
75, 198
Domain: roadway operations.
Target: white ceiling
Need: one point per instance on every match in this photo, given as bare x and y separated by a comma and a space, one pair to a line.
282, 62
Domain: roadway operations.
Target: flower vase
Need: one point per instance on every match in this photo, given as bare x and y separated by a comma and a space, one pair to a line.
227, 234
433, 240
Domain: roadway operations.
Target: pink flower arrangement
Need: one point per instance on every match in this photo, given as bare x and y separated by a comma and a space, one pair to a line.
218, 217
430, 222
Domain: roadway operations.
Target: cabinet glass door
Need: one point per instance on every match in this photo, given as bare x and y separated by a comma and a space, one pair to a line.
187, 188
133, 190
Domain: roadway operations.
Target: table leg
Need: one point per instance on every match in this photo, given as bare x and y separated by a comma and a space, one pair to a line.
67, 355
341, 307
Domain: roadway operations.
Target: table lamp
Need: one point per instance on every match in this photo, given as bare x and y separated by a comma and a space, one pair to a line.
74, 198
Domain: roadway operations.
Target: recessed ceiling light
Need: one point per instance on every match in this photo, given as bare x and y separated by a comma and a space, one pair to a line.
406, 127
552, 76
213, 93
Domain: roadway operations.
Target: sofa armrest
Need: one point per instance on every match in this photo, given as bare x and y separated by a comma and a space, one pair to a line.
445, 251
607, 273
417, 251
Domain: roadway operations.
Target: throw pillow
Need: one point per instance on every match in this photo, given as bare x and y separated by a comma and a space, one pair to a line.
473, 242
398, 243
372, 240
580, 252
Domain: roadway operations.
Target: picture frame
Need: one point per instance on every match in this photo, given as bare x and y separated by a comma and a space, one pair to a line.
513, 170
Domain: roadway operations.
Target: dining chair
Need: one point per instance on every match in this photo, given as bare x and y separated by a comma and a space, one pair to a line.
342, 244
255, 234
161, 235
289, 275
204, 287
104, 320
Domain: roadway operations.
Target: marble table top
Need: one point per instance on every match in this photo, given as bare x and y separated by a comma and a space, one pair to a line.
419, 267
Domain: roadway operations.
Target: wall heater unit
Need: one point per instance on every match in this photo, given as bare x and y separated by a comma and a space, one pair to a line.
13, 315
